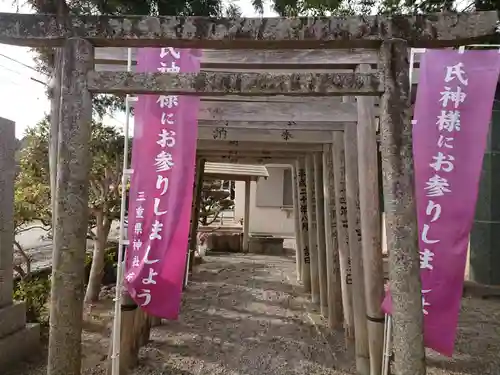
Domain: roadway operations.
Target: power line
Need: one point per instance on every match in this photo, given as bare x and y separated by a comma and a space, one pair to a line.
23, 64
22, 75
11, 70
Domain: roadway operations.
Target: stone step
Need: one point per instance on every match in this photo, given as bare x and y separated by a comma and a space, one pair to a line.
20, 345
12, 318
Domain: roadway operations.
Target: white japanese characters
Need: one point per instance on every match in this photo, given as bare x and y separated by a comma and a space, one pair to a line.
152, 203
163, 164
452, 96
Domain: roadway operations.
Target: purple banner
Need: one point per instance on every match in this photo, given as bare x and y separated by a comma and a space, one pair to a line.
450, 127
163, 155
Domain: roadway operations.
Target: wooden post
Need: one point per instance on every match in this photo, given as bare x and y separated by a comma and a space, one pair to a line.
134, 331
400, 211
296, 213
320, 228
246, 219
304, 224
358, 286
70, 232
313, 234
195, 211
342, 231
331, 243
370, 226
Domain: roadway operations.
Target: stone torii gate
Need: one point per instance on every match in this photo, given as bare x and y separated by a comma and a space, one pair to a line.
389, 36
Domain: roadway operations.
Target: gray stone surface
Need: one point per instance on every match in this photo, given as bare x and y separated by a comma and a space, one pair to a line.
266, 245
16, 338
71, 217
20, 345
445, 29
400, 209
485, 234
220, 83
227, 242
12, 318
7, 174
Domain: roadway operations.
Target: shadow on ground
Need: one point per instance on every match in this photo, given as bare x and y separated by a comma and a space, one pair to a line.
245, 314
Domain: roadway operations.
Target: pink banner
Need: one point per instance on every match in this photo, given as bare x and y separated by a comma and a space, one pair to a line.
450, 127
163, 155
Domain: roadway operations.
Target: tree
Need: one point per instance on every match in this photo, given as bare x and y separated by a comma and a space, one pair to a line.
352, 7
106, 147
33, 188
213, 201
32, 194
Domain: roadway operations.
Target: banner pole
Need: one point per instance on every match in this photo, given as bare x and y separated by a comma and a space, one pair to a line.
115, 360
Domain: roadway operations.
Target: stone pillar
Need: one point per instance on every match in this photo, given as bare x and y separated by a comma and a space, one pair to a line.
370, 225
17, 340
331, 242
71, 217
313, 234
246, 218
304, 224
296, 210
338, 156
401, 211
358, 284
485, 235
7, 175
320, 228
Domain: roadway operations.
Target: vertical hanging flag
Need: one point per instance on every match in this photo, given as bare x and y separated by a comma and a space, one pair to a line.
450, 126
163, 155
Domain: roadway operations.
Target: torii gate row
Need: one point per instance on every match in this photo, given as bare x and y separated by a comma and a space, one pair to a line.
390, 35
321, 223
218, 118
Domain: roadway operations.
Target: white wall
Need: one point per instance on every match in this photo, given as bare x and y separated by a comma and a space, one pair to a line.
267, 214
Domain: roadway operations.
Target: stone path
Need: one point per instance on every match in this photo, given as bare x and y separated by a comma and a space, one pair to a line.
244, 314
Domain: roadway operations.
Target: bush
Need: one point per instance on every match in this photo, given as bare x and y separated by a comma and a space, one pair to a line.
35, 292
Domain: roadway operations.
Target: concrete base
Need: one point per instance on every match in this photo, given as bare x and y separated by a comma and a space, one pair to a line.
226, 242
18, 340
266, 245
12, 318
19, 345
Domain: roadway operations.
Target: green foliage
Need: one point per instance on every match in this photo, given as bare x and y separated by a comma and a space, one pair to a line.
213, 201
32, 199
366, 7
35, 292
103, 103
106, 147
32, 189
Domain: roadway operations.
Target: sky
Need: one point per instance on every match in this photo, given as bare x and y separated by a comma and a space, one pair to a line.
24, 100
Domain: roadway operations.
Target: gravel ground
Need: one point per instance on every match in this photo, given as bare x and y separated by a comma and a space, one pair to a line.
245, 314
